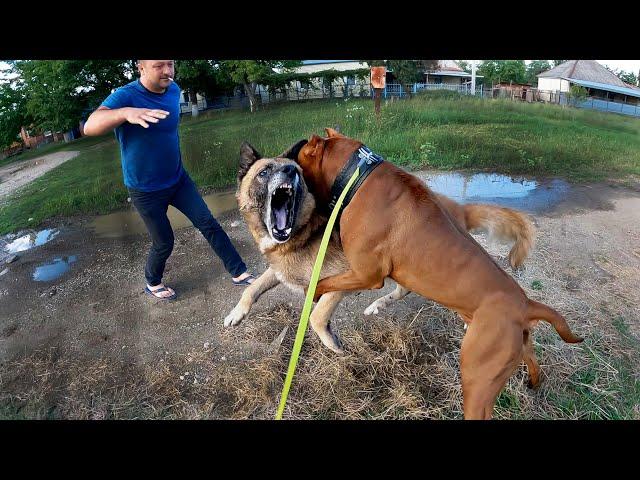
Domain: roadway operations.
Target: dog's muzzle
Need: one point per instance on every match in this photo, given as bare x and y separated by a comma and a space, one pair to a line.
283, 207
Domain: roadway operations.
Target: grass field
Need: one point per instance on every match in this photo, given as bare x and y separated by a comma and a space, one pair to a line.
436, 130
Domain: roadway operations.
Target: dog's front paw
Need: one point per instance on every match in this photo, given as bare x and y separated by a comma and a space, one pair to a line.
372, 309
235, 317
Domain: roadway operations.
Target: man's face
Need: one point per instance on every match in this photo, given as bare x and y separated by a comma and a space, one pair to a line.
157, 72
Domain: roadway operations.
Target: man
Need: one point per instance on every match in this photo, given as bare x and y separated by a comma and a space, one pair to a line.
145, 115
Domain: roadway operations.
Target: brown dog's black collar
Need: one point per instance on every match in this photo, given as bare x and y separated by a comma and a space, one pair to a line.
367, 160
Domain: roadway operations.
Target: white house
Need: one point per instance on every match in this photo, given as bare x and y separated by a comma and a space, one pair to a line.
448, 71
595, 78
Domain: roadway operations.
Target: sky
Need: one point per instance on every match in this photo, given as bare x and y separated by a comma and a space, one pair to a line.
628, 65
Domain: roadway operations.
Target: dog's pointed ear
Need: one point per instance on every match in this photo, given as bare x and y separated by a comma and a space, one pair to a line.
315, 141
331, 132
293, 151
248, 156
311, 153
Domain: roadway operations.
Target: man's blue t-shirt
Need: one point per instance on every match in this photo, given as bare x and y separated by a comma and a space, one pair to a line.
150, 157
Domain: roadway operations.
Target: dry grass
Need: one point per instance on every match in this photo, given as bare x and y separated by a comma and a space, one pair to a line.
398, 366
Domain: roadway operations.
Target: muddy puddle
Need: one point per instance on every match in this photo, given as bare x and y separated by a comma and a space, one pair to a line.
29, 240
54, 270
509, 191
122, 224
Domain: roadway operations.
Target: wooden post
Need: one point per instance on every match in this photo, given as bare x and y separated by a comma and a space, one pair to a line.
378, 82
377, 95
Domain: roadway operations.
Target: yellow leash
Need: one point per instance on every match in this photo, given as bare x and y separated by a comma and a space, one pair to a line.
308, 302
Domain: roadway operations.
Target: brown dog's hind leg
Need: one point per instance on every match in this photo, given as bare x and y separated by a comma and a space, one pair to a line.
530, 359
320, 318
491, 351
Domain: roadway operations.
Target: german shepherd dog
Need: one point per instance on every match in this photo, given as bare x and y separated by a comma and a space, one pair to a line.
282, 217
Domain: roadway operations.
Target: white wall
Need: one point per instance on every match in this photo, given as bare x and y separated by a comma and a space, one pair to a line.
553, 84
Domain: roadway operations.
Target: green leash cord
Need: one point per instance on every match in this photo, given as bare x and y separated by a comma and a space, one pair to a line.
308, 302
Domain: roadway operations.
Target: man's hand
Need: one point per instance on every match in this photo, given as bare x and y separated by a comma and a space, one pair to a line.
140, 116
105, 119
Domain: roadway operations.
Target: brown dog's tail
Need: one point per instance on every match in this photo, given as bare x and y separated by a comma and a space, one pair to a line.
539, 311
504, 224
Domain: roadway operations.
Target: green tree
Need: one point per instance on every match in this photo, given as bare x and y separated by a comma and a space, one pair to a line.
13, 113
464, 65
201, 77
53, 90
535, 68
576, 94
100, 77
406, 71
496, 71
58, 92
250, 73
628, 77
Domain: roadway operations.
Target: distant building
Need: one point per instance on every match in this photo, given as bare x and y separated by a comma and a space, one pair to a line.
599, 82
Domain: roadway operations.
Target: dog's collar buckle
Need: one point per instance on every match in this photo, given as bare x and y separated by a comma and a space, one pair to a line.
367, 161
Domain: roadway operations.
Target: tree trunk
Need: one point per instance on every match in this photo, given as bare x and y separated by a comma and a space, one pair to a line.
193, 97
249, 89
409, 89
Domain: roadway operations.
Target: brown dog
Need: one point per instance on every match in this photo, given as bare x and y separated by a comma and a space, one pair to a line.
281, 215
395, 226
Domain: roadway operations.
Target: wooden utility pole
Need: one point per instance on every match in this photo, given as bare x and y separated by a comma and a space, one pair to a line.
378, 82
473, 77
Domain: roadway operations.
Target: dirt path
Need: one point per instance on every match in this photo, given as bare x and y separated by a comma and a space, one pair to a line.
76, 346
16, 175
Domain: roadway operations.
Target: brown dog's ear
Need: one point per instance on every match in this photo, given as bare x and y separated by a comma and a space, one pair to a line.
314, 147
294, 150
333, 132
248, 156
315, 141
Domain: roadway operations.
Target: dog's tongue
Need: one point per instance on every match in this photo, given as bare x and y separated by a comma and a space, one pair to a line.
281, 218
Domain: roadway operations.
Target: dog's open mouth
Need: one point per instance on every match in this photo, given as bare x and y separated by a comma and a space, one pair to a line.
282, 211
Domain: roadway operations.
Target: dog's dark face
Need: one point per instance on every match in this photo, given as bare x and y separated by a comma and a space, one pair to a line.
274, 190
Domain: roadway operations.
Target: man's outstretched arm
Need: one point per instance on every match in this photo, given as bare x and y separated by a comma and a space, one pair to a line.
106, 119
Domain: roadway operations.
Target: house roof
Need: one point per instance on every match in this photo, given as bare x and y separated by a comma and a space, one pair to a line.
449, 65
632, 92
584, 70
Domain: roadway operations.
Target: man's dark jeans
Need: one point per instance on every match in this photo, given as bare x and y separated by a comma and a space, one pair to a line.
184, 196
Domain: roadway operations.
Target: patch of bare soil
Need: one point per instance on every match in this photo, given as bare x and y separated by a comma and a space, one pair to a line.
92, 345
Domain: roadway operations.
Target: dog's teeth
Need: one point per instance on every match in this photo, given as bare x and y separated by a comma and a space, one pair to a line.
288, 231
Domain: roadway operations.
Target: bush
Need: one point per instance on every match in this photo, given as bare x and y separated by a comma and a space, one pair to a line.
577, 94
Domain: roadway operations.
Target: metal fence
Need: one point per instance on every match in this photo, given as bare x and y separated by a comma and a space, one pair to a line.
561, 98
607, 106
323, 91
299, 92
